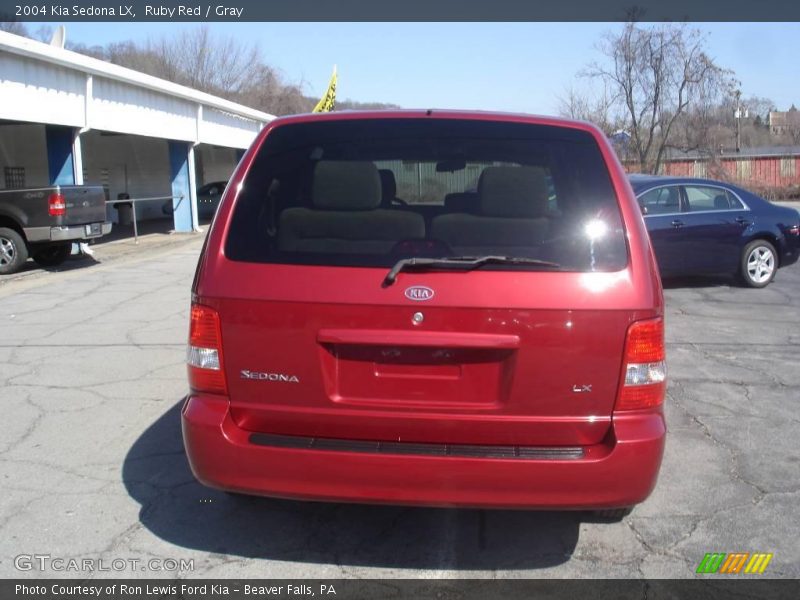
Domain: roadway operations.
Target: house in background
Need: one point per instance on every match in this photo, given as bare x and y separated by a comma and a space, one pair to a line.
784, 122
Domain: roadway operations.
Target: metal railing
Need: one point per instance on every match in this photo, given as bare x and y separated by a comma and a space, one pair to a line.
133, 201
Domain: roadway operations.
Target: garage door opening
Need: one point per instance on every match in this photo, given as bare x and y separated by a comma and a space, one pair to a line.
130, 167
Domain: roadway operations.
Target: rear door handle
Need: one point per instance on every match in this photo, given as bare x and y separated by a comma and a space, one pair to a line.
677, 223
742, 221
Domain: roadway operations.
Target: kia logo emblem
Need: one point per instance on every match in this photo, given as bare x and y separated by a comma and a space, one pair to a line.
419, 293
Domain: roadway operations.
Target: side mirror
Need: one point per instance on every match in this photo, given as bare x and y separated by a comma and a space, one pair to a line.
643, 208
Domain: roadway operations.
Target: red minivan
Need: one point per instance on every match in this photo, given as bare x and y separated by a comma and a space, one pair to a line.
428, 307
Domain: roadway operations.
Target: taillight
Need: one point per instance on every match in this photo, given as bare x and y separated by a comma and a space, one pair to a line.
204, 355
56, 205
794, 230
644, 385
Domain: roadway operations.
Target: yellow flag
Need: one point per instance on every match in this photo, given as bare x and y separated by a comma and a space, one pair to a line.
328, 101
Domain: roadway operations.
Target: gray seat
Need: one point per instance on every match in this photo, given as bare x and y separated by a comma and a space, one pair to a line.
512, 204
345, 218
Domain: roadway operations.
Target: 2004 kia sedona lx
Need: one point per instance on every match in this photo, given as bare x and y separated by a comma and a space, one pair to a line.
424, 307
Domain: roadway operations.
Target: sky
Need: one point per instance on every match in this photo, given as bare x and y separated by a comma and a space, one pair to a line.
518, 67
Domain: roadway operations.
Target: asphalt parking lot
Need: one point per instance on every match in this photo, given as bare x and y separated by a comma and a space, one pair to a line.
92, 463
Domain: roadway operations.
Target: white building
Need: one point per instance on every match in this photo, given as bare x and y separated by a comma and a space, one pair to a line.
67, 118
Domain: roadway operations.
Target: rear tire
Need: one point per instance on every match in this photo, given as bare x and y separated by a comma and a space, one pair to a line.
759, 264
13, 251
613, 514
53, 255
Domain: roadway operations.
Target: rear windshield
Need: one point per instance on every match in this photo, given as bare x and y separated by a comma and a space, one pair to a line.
369, 192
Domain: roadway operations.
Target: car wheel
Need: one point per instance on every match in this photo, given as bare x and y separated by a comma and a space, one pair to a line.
613, 514
52, 256
13, 251
759, 263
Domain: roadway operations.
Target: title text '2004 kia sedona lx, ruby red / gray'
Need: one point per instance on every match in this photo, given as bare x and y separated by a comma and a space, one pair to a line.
433, 308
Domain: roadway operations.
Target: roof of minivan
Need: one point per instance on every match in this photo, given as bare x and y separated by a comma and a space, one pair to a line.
435, 113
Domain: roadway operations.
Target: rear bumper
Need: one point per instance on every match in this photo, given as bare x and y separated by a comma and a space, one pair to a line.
67, 233
621, 471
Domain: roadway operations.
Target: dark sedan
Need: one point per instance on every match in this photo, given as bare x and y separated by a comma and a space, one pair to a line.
700, 226
208, 197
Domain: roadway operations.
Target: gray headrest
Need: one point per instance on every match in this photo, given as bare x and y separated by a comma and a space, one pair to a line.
513, 192
346, 185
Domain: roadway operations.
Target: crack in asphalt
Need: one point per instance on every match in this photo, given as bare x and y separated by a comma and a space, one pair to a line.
706, 430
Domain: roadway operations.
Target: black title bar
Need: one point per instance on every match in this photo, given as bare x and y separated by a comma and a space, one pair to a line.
399, 10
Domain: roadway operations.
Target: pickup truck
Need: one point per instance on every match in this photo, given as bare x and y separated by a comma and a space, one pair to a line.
44, 222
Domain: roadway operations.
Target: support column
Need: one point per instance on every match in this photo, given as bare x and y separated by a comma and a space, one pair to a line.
77, 158
181, 162
60, 159
193, 187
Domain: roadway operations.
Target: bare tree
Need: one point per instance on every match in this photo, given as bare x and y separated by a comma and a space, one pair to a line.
205, 61
656, 75
223, 66
348, 104
218, 65
710, 129
44, 33
759, 107
594, 106
196, 58
268, 90
14, 27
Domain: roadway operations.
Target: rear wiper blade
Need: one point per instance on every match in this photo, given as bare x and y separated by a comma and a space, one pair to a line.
468, 262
